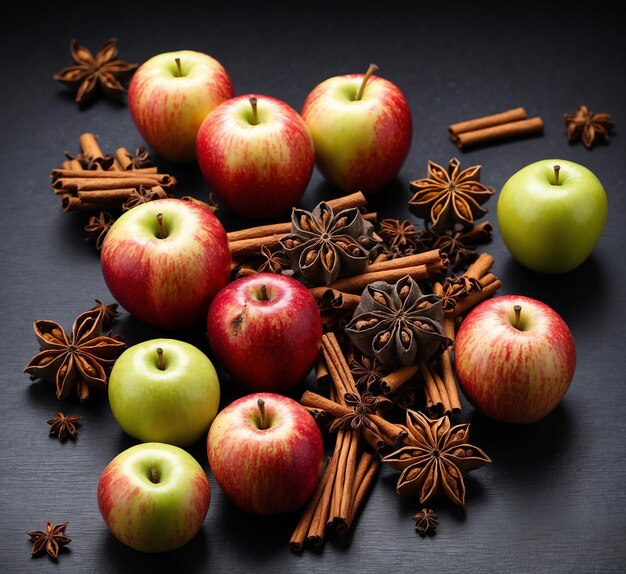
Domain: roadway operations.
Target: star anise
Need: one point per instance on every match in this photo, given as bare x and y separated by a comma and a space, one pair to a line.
367, 373
89, 74
455, 289
90, 162
324, 245
362, 405
272, 261
110, 312
459, 253
587, 126
434, 458
98, 227
63, 426
78, 361
140, 159
448, 199
49, 541
144, 194
426, 521
397, 324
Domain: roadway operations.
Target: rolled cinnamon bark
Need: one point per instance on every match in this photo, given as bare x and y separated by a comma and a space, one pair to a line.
511, 115
509, 130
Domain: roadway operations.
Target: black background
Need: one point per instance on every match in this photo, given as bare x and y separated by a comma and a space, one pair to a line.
554, 497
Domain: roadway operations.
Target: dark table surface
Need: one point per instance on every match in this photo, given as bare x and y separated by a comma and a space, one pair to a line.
554, 498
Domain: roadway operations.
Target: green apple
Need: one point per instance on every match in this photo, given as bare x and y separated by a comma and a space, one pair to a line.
154, 497
551, 214
164, 390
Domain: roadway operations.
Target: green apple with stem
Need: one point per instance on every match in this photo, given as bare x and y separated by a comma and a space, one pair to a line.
153, 497
361, 127
170, 95
164, 390
551, 215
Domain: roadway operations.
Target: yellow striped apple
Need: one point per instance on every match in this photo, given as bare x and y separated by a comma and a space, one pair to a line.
170, 95
256, 154
361, 127
515, 358
165, 260
154, 497
266, 451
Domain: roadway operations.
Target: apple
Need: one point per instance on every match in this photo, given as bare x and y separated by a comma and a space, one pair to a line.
515, 358
265, 331
154, 497
170, 95
551, 214
164, 390
165, 260
266, 452
256, 155
361, 127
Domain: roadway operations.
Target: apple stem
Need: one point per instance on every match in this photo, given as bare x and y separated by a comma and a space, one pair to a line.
264, 295
557, 169
161, 230
160, 361
372, 68
518, 313
255, 117
262, 415
155, 477
179, 70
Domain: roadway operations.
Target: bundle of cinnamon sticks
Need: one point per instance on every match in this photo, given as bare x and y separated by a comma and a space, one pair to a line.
109, 182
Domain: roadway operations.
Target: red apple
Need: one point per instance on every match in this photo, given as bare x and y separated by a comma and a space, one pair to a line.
515, 358
361, 128
165, 260
170, 95
265, 330
256, 154
266, 452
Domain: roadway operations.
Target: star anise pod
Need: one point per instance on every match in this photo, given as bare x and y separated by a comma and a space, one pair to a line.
98, 227
451, 198
362, 405
397, 324
140, 159
272, 261
110, 312
103, 72
587, 126
459, 253
78, 361
324, 245
455, 289
367, 373
90, 162
435, 458
426, 521
63, 426
144, 194
50, 541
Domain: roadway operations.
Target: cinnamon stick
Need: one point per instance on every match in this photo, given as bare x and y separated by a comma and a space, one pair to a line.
364, 484
509, 130
60, 173
480, 267
449, 380
394, 380
317, 529
511, 115
75, 184
89, 144
477, 297
431, 390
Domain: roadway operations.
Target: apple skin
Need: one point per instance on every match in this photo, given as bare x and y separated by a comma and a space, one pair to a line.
265, 345
360, 145
154, 517
261, 170
552, 228
171, 398
167, 282
168, 108
266, 471
514, 375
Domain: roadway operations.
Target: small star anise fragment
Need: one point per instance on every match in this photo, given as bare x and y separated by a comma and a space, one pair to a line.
362, 405
404, 235
64, 426
110, 312
90, 162
140, 159
434, 458
426, 521
144, 194
588, 127
50, 541
449, 198
98, 227
324, 245
455, 289
90, 74
272, 261
367, 373
78, 361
